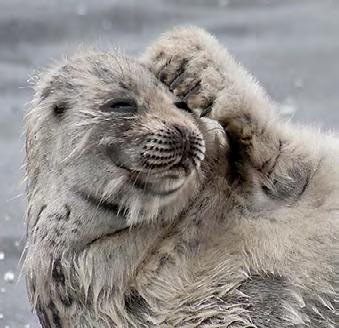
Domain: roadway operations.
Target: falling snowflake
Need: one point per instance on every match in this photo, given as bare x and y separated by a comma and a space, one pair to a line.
9, 276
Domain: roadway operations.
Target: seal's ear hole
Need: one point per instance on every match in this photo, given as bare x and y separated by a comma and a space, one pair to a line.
59, 109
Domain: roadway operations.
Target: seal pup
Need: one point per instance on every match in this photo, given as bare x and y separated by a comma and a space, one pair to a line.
197, 238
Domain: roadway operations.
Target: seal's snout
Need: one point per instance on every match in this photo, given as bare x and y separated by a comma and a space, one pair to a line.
174, 146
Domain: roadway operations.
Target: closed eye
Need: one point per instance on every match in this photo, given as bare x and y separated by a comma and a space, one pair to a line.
120, 106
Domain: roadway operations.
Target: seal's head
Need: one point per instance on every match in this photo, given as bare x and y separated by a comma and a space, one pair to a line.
105, 130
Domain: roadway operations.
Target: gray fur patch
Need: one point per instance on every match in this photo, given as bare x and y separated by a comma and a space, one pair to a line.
136, 305
266, 298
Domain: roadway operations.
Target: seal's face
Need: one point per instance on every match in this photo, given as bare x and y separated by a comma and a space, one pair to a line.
152, 143
116, 137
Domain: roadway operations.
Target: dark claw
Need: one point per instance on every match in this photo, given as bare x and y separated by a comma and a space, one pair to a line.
178, 80
206, 111
179, 72
192, 90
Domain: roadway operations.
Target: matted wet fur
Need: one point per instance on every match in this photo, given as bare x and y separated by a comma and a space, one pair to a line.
142, 212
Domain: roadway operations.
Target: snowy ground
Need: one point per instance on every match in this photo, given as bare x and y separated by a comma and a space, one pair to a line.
292, 46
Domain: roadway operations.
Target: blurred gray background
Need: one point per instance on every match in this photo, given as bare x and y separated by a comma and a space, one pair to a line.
291, 46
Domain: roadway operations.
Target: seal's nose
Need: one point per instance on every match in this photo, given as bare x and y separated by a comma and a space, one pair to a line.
174, 145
